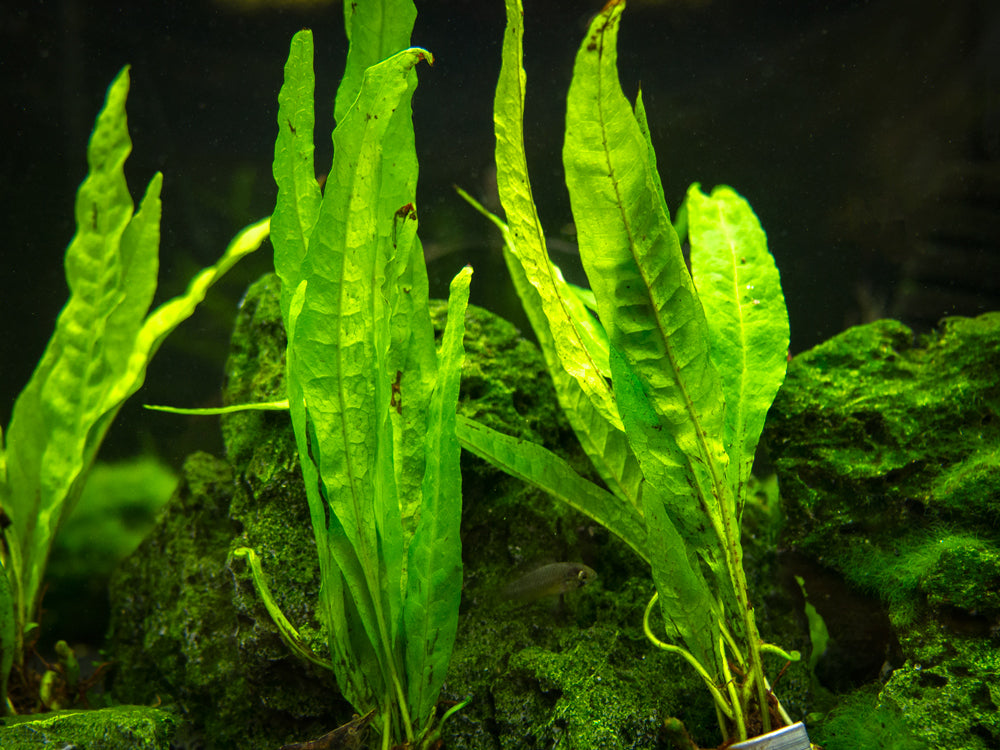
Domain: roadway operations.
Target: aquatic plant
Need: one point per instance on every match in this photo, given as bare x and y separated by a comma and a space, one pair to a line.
97, 358
373, 404
667, 387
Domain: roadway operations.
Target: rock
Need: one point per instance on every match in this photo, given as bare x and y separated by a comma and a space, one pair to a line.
887, 448
118, 728
189, 629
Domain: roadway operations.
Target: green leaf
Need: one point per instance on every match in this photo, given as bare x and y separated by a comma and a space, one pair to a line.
547, 471
299, 194
434, 565
630, 251
668, 390
740, 289
527, 239
361, 368
411, 361
48, 443
677, 533
377, 29
98, 354
287, 631
604, 442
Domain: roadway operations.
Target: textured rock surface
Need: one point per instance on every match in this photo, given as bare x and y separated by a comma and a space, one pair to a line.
119, 728
887, 449
189, 628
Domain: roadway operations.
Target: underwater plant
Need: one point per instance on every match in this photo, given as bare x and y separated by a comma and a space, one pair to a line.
372, 401
97, 358
668, 385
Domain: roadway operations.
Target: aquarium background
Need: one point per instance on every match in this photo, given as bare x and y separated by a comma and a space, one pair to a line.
865, 134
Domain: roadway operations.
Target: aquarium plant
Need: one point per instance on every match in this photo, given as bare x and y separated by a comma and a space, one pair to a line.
665, 375
97, 357
372, 400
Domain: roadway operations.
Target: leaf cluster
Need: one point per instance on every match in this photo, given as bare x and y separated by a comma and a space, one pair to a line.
665, 374
372, 400
97, 357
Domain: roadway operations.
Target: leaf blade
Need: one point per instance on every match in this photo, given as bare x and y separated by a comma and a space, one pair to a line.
666, 386
739, 286
299, 196
547, 471
528, 238
434, 567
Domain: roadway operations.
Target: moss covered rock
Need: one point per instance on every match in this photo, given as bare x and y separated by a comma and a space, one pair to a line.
574, 672
119, 728
886, 447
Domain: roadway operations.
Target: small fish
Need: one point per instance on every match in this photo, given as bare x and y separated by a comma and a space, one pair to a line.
549, 580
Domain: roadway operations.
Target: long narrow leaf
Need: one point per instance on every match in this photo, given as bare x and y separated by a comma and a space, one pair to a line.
669, 392
99, 352
740, 289
47, 445
299, 197
377, 29
528, 238
340, 390
603, 441
434, 568
544, 469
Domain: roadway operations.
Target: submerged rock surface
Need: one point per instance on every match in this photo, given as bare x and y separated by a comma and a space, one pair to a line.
887, 448
574, 671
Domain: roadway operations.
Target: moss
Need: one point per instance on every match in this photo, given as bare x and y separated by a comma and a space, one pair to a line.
119, 728
966, 576
168, 623
572, 674
575, 672
886, 447
860, 722
971, 487
930, 567
948, 690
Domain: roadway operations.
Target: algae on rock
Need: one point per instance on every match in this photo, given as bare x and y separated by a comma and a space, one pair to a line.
188, 627
118, 728
886, 449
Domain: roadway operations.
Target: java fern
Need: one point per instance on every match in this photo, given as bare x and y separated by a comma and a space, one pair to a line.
668, 385
97, 357
372, 401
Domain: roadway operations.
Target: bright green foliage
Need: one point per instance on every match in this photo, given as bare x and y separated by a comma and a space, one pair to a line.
372, 403
96, 358
668, 386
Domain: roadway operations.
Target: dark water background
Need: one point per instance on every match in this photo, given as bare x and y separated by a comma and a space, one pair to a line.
865, 134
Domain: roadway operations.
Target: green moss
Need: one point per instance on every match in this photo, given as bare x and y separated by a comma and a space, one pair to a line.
887, 447
119, 728
884, 444
860, 722
971, 487
932, 566
948, 690
576, 674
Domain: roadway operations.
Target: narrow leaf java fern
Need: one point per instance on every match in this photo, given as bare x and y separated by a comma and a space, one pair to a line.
372, 401
95, 360
668, 386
